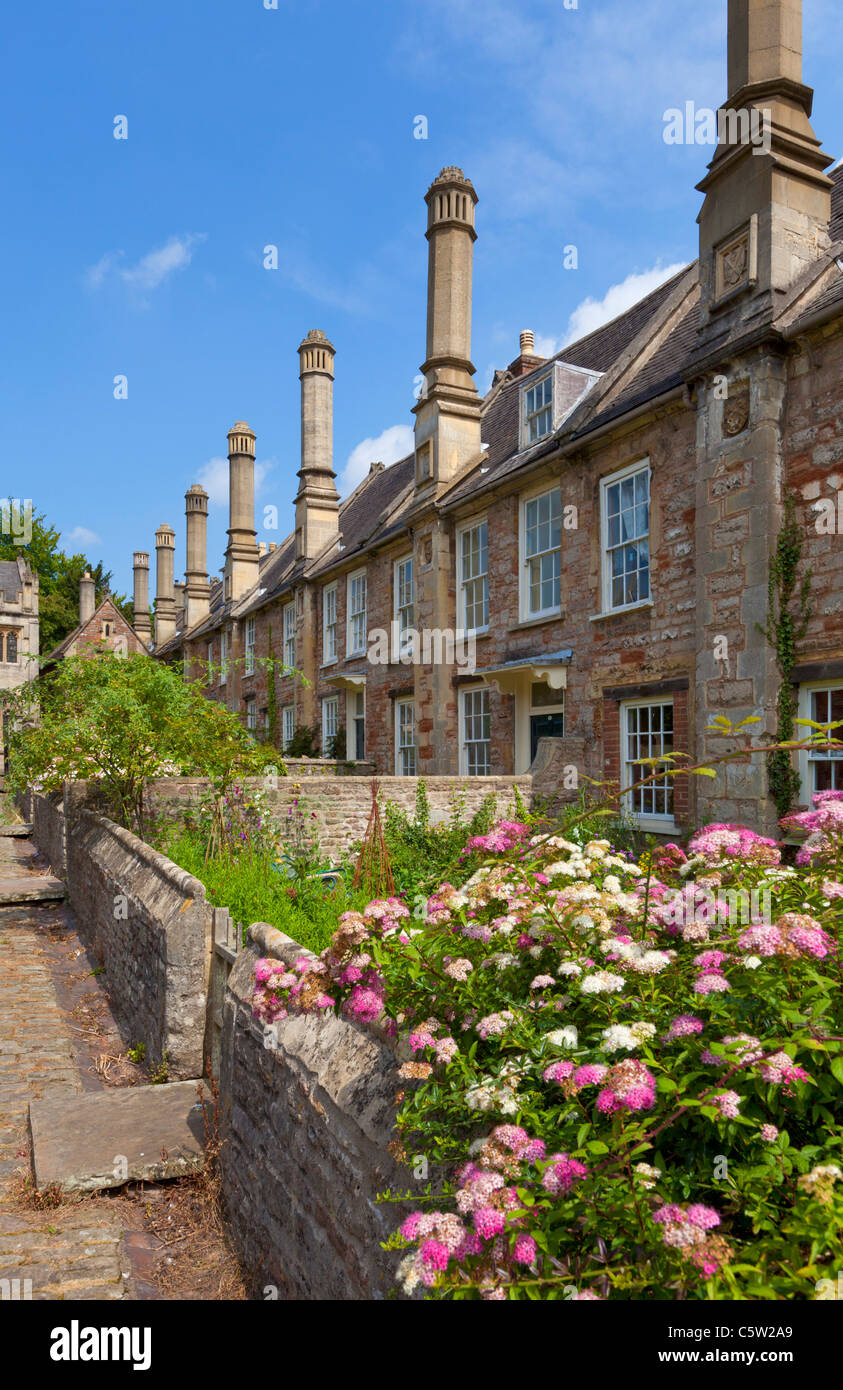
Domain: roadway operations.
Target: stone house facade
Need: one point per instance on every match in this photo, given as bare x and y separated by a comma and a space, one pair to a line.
101, 627
584, 553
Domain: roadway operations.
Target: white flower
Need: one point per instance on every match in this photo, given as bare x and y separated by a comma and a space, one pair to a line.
602, 982
563, 1037
752, 962
612, 884
570, 967
647, 1174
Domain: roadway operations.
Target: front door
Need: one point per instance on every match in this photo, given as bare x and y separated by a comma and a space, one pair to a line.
544, 726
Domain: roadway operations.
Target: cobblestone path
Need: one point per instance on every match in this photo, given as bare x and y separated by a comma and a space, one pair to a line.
63, 1252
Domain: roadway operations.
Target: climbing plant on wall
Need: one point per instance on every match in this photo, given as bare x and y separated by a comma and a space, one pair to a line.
788, 616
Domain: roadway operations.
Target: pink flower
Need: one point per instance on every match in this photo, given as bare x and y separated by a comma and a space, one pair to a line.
684, 1025
434, 1254
711, 983
769, 1133
727, 1103
589, 1075
558, 1071
489, 1222
524, 1251
561, 1174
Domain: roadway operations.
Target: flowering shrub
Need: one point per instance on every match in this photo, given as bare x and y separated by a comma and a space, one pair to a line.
624, 1094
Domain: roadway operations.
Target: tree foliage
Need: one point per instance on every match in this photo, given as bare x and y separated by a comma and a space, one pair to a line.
59, 575
123, 721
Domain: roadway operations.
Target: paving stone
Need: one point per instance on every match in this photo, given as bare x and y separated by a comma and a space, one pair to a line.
78, 1142
31, 890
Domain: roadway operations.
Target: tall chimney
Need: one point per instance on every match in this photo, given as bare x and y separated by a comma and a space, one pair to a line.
317, 500
241, 556
87, 597
165, 602
197, 588
768, 199
142, 625
448, 414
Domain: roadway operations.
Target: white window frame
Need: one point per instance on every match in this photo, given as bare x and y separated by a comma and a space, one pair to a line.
403, 614
640, 466
223, 656
406, 754
658, 822
807, 758
288, 725
466, 694
536, 416
210, 663
252, 714
330, 720
476, 524
357, 713
329, 625
249, 647
356, 617
529, 615
288, 619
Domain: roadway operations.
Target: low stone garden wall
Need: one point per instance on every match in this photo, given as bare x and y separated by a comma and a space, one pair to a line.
46, 815
148, 923
341, 805
307, 1109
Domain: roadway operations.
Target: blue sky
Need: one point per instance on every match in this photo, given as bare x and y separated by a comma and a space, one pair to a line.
294, 127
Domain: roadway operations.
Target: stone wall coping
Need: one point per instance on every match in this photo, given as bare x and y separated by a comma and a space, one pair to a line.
165, 868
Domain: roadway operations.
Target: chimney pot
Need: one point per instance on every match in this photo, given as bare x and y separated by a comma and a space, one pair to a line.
528, 343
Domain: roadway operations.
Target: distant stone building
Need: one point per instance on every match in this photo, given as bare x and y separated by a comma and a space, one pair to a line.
18, 630
601, 524
101, 626
18, 623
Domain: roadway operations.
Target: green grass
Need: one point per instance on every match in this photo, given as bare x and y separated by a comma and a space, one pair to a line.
253, 892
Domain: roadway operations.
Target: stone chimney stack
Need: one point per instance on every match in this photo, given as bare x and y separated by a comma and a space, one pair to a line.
317, 500
768, 199
87, 597
142, 625
197, 589
448, 414
165, 601
241, 556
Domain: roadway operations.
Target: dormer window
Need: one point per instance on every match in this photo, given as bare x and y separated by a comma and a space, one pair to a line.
538, 410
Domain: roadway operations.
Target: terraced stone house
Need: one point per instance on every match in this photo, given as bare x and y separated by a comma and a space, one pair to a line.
599, 524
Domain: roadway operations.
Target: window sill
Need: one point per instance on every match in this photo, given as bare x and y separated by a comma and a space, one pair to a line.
621, 612
327, 664
554, 615
656, 825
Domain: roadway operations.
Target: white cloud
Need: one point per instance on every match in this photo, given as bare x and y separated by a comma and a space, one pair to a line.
547, 347
593, 313
213, 476
151, 270
83, 536
393, 444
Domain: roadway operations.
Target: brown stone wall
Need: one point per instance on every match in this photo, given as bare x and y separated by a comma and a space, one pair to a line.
814, 476
307, 1111
342, 804
148, 923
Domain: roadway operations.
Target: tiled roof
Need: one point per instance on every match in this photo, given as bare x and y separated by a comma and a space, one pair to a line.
10, 581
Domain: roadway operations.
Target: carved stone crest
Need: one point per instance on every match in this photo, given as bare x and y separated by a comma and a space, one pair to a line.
736, 411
